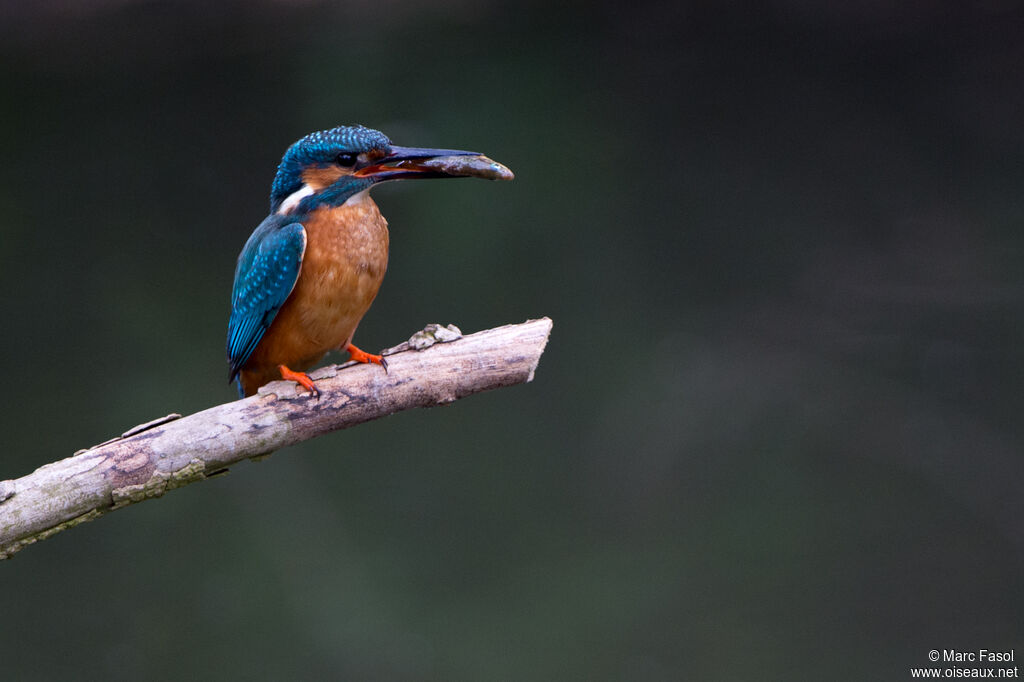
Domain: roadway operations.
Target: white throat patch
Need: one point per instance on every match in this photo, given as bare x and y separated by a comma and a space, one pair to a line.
289, 204
358, 197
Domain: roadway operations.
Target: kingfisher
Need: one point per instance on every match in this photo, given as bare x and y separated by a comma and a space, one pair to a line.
312, 268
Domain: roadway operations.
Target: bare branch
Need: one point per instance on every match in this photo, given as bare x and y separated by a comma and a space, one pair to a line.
170, 452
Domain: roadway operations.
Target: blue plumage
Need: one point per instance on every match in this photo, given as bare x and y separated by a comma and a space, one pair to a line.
267, 270
335, 195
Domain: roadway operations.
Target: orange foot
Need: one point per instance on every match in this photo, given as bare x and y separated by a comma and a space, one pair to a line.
300, 378
362, 356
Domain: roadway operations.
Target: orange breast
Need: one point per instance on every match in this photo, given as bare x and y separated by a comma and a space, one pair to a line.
342, 269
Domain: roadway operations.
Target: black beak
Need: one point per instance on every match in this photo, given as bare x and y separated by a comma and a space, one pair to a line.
416, 162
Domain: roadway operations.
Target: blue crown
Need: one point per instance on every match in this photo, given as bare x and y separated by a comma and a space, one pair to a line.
321, 148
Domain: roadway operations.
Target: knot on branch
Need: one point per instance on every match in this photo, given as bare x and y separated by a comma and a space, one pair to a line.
159, 483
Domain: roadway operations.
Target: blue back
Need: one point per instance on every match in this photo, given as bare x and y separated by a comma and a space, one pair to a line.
267, 270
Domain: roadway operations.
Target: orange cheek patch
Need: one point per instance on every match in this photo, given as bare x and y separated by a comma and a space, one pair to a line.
320, 178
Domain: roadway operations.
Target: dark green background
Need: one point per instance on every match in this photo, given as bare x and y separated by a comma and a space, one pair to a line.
776, 433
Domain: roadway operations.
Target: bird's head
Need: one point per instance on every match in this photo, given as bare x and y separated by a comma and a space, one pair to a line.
330, 166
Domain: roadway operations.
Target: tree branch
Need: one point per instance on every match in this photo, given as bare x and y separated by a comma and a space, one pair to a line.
167, 453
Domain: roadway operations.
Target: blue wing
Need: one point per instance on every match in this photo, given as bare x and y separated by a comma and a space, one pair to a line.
267, 270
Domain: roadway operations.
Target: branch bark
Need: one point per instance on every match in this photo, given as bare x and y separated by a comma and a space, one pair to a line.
171, 452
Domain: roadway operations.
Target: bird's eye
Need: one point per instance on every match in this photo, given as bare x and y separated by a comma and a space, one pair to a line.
346, 159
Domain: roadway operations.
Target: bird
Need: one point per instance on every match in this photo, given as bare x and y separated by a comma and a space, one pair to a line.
310, 271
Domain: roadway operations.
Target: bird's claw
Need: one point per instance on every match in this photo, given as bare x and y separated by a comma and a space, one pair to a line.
300, 378
358, 355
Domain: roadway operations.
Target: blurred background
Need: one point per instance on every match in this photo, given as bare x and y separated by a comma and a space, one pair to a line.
776, 433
